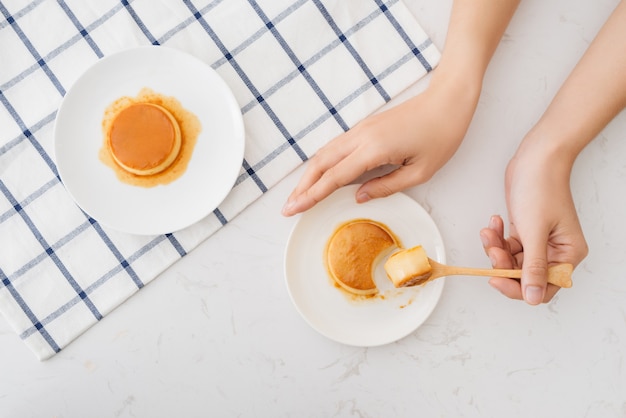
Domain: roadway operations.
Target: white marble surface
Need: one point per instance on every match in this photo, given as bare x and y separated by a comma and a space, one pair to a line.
217, 336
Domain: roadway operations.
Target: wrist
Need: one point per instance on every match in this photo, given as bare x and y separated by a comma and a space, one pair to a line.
461, 84
454, 93
546, 146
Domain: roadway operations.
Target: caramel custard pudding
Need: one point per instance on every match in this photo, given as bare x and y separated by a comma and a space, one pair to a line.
144, 139
353, 251
408, 267
148, 139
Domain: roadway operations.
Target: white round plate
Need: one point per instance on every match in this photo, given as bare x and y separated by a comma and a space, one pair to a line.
215, 162
352, 320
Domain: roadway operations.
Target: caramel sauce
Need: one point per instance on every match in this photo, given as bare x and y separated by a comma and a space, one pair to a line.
140, 138
409, 302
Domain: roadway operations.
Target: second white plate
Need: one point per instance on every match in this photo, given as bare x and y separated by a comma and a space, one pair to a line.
353, 321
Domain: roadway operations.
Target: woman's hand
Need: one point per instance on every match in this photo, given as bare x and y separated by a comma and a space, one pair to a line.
418, 136
544, 227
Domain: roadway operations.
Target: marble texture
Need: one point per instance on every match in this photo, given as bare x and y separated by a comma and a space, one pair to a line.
215, 336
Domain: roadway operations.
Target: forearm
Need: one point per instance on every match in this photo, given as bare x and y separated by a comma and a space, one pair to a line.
593, 94
474, 32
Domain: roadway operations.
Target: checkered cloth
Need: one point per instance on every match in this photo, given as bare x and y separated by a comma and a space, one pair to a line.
302, 71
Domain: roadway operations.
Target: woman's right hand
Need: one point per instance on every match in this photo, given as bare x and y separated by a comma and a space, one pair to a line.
543, 224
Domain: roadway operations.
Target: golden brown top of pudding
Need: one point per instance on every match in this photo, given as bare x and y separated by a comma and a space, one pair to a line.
353, 251
144, 139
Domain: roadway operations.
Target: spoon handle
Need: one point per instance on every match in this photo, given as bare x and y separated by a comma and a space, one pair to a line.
558, 274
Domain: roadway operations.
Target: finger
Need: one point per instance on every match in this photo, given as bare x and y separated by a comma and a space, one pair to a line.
510, 251
342, 173
513, 240
490, 238
508, 287
400, 179
551, 290
328, 156
512, 288
514, 245
497, 224
501, 258
493, 234
535, 269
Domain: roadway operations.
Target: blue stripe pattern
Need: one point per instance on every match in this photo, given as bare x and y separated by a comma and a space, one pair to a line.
405, 37
31, 140
40, 61
346, 42
301, 68
49, 251
139, 22
244, 77
6, 283
81, 29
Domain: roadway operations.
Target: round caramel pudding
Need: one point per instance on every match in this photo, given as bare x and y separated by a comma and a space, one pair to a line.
144, 139
353, 251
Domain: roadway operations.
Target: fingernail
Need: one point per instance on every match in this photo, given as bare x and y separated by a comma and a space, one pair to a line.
362, 197
492, 222
533, 295
484, 240
288, 207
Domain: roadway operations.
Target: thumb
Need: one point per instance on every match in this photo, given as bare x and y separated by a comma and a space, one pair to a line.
535, 270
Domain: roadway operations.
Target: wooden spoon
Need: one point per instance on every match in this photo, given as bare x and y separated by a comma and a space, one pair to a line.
413, 267
558, 274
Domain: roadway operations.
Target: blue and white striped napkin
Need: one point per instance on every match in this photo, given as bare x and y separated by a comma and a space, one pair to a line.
303, 71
